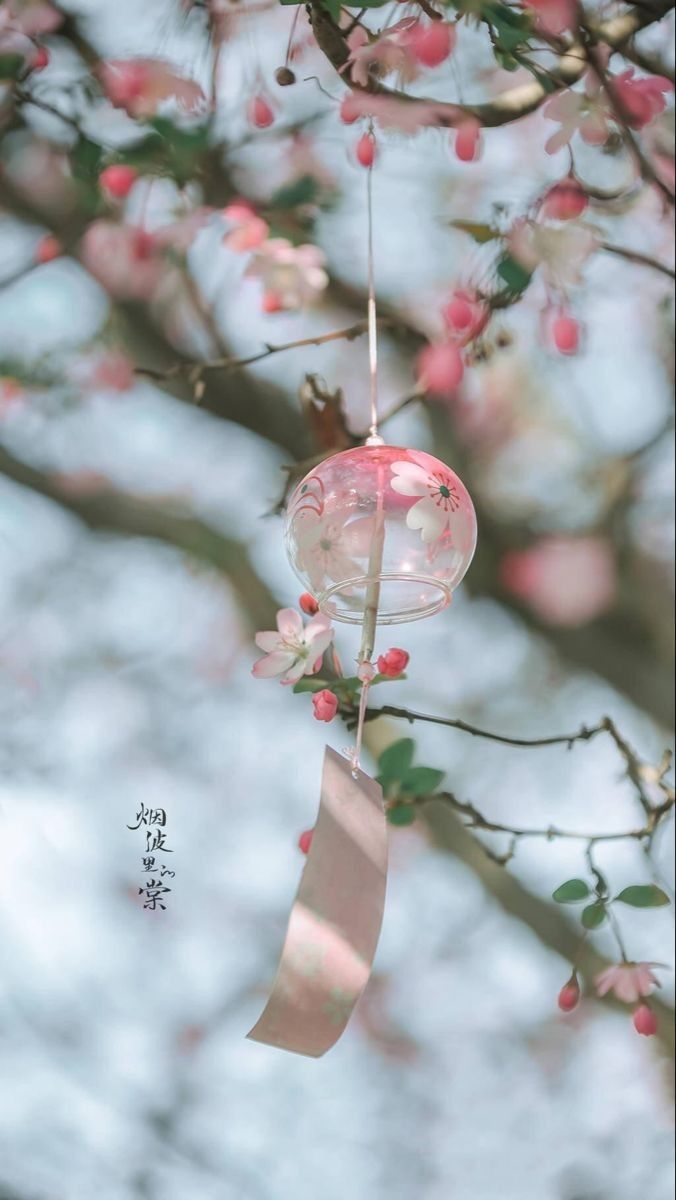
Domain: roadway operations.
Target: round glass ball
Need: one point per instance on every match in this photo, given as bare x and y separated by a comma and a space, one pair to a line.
381, 525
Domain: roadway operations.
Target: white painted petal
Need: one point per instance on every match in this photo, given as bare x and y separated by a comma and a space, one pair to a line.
410, 479
273, 664
289, 624
430, 520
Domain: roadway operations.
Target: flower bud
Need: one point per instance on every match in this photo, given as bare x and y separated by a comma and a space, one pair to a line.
645, 1021
393, 662
569, 996
325, 705
308, 604
305, 841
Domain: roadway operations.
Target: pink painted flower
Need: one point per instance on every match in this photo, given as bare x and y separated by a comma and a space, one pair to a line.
247, 230
569, 996
292, 651
468, 139
125, 259
140, 85
325, 705
645, 1021
389, 52
437, 497
642, 99
440, 368
295, 275
393, 662
117, 180
586, 113
566, 581
629, 982
554, 16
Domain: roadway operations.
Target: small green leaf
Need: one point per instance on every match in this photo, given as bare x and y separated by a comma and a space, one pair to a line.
481, 233
594, 915
571, 891
395, 761
302, 191
311, 684
644, 896
401, 814
515, 276
420, 781
11, 65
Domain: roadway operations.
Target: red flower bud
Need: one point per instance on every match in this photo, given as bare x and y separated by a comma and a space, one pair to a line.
569, 996
308, 604
48, 248
393, 662
566, 334
366, 150
325, 705
117, 180
305, 841
645, 1021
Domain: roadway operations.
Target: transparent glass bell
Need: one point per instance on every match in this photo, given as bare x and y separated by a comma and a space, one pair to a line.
381, 525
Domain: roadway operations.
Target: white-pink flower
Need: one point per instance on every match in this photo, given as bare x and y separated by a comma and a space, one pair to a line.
561, 251
586, 113
628, 982
140, 85
246, 230
390, 52
567, 581
292, 650
437, 497
32, 17
125, 259
295, 275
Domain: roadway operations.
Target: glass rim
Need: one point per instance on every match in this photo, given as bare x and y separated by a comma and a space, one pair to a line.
398, 617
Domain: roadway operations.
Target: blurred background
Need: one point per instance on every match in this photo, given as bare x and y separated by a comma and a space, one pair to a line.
140, 548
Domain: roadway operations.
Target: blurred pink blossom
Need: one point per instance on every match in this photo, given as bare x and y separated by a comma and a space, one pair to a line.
565, 580
295, 275
561, 251
247, 230
140, 85
641, 98
32, 17
465, 315
124, 258
554, 16
585, 112
390, 52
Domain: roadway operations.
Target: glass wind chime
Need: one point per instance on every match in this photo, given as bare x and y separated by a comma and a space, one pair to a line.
379, 535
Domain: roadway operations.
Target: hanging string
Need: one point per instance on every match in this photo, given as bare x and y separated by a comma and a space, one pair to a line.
371, 599
371, 309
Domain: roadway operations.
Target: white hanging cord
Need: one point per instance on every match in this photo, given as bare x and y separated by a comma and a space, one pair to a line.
371, 310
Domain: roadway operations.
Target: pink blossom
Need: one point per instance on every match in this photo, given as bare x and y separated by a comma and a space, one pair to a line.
440, 368
260, 111
586, 113
366, 150
140, 85
248, 231
112, 371
569, 996
393, 662
431, 42
294, 275
405, 116
628, 981
554, 16
305, 841
325, 705
390, 52
565, 200
117, 180
465, 315
292, 650
124, 258
32, 17
468, 140
565, 580
566, 334
41, 59
48, 248
645, 1021
642, 99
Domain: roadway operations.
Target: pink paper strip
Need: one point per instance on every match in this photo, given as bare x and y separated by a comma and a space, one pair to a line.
335, 921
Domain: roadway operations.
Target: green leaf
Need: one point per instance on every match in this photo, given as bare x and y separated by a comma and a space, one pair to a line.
401, 814
571, 891
644, 896
480, 232
395, 761
311, 684
302, 191
594, 915
515, 276
420, 781
11, 65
